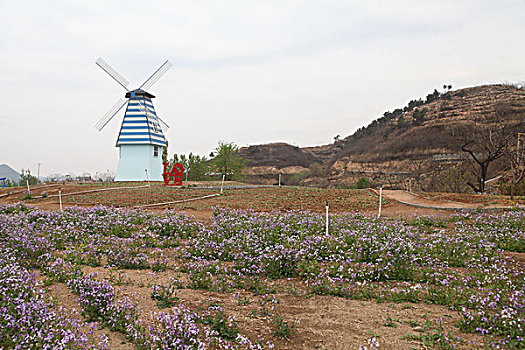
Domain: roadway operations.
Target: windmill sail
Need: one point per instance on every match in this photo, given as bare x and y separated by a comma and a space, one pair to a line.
156, 76
110, 114
139, 102
112, 73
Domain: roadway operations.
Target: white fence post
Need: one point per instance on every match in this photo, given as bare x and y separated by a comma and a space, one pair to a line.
147, 176
380, 200
222, 184
60, 198
327, 219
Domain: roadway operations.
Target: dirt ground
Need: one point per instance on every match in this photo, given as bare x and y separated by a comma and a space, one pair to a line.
395, 202
320, 322
393, 208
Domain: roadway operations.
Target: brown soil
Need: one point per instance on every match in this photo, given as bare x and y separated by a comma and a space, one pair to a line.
321, 322
259, 199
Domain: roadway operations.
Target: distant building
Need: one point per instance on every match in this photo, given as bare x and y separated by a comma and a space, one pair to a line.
9, 173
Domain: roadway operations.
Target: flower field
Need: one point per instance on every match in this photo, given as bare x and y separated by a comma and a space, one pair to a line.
109, 278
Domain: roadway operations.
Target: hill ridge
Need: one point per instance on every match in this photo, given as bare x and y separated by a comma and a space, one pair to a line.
421, 130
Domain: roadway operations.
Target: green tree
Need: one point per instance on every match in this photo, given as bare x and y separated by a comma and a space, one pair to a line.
165, 153
179, 159
419, 115
197, 167
26, 176
227, 160
402, 123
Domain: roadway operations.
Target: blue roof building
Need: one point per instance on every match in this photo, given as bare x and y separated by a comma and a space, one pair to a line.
140, 140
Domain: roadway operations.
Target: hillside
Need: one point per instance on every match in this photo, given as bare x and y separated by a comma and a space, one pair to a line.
427, 129
392, 144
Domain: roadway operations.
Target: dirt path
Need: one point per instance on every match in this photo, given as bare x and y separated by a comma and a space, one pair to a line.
414, 200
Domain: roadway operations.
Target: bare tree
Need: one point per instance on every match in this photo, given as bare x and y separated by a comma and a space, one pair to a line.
516, 160
485, 140
487, 153
421, 170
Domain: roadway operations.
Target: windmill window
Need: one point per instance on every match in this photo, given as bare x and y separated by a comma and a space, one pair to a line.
156, 151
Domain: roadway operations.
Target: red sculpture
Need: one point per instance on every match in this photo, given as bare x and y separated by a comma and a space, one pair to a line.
175, 174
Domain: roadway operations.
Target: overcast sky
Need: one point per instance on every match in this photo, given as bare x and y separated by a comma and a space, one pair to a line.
248, 72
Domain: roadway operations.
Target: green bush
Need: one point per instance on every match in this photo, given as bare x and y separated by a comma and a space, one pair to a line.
282, 329
165, 295
226, 328
362, 183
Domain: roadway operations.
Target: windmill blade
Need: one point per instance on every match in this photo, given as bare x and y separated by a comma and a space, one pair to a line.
112, 73
163, 122
143, 108
156, 76
110, 114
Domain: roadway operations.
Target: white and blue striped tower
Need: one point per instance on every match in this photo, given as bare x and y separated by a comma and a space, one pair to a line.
140, 140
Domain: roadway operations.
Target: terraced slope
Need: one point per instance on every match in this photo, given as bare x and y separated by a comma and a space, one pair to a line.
425, 129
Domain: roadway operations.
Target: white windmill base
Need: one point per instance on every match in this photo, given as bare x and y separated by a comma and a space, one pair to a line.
135, 159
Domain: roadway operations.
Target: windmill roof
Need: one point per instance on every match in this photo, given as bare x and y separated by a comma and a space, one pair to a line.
139, 92
8, 172
140, 124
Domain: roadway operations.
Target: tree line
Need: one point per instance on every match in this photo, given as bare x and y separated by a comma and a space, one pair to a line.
224, 160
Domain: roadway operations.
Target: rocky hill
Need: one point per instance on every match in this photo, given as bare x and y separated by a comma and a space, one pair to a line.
391, 146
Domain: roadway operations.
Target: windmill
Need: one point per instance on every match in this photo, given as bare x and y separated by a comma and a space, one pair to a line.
140, 139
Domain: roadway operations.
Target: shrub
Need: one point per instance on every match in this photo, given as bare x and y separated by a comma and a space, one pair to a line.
226, 328
166, 296
281, 328
362, 183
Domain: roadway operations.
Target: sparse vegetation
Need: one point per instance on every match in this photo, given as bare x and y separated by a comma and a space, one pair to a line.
282, 329
454, 179
386, 145
362, 183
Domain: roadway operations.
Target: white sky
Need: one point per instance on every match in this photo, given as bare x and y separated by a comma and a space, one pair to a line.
248, 72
